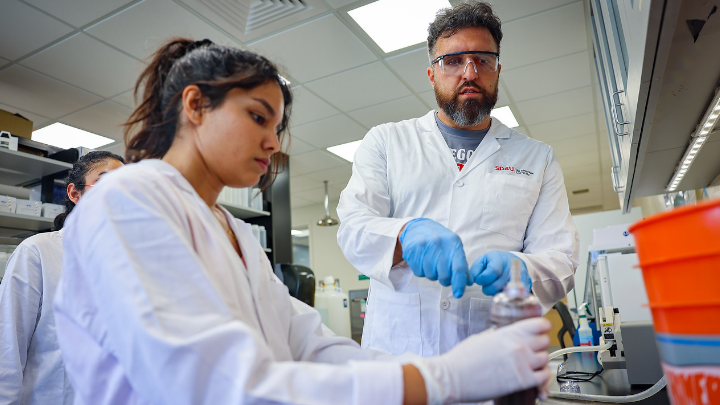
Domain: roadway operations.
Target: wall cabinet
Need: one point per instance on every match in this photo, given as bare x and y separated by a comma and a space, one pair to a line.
622, 52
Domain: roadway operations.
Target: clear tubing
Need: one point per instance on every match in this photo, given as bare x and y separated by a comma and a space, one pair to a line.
612, 399
606, 346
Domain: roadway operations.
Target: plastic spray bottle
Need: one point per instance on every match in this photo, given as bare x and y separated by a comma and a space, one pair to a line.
513, 304
584, 331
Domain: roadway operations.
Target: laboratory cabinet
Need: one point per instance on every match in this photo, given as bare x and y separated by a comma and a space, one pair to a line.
656, 79
622, 32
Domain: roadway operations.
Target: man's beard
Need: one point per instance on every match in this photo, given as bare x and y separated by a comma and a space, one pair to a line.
470, 112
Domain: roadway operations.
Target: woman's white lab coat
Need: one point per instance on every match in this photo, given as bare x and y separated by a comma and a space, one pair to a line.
510, 196
156, 307
31, 368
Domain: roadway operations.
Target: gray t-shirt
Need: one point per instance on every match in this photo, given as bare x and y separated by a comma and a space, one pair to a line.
461, 142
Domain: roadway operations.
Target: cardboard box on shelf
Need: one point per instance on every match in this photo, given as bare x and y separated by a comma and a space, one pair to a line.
28, 207
16, 124
7, 203
52, 210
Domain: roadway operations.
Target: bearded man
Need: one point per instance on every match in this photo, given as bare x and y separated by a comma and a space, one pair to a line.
439, 206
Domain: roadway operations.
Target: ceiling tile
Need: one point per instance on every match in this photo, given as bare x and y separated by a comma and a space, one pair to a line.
298, 147
558, 75
103, 119
392, 111
38, 120
557, 106
429, 98
297, 202
338, 176
153, 23
330, 131
316, 49
317, 195
592, 198
88, 64
303, 183
78, 12
127, 99
117, 148
509, 10
570, 162
314, 161
412, 67
578, 183
522, 130
544, 36
18, 20
581, 172
576, 144
564, 128
340, 3
307, 107
31, 91
360, 87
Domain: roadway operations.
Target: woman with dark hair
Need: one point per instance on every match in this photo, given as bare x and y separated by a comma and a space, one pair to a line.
31, 368
167, 299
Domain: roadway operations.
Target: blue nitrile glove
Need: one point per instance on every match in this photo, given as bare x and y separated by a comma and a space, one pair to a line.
492, 271
436, 253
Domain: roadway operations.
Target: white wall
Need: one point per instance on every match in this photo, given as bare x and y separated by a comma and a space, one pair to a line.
326, 258
585, 224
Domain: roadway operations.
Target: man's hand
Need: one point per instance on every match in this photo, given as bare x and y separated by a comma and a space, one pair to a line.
492, 271
436, 253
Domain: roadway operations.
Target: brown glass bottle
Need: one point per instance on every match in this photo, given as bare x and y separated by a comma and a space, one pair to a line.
513, 304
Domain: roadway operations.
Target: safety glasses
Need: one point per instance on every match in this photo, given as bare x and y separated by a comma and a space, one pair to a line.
454, 64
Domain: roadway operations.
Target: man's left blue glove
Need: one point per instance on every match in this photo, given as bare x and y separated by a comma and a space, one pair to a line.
492, 271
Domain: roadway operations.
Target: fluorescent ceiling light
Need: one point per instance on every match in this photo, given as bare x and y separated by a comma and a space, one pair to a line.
396, 24
300, 233
66, 137
346, 150
505, 115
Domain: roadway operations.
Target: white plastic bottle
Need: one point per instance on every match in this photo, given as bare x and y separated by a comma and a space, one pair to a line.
332, 304
584, 331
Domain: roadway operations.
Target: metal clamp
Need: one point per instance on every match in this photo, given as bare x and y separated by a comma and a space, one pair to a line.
615, 177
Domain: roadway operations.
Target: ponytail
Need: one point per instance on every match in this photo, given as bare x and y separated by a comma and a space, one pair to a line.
77, 175
215, 69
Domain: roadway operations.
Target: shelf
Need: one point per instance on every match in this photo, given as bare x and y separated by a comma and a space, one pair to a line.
24, 223
244, 212
18, 167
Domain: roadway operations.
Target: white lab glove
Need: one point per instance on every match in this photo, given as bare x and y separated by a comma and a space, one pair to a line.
488, 365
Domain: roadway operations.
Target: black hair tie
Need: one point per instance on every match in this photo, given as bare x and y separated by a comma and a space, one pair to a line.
198, 44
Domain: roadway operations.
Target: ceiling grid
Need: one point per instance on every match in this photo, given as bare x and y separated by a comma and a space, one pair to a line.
547, 79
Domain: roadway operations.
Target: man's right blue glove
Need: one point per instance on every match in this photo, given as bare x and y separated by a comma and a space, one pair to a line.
436, 253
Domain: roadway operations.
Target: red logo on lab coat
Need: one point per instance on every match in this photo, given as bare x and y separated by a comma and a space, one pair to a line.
502, 168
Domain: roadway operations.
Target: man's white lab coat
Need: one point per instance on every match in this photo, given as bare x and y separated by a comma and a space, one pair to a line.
509, 196
156, 307
31, 368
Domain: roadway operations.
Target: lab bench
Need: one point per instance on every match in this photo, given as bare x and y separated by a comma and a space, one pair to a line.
608, 383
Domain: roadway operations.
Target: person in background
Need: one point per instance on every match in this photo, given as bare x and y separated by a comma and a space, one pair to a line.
31, 368
166, 299
430, 195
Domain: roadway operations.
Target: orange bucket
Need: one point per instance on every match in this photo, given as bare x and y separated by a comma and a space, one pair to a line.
679, 253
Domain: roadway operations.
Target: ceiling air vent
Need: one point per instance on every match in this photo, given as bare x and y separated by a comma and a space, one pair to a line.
250, 15
582, 191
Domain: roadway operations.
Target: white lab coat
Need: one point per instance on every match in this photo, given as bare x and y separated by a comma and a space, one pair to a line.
156, 307
31, 368
510, 196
